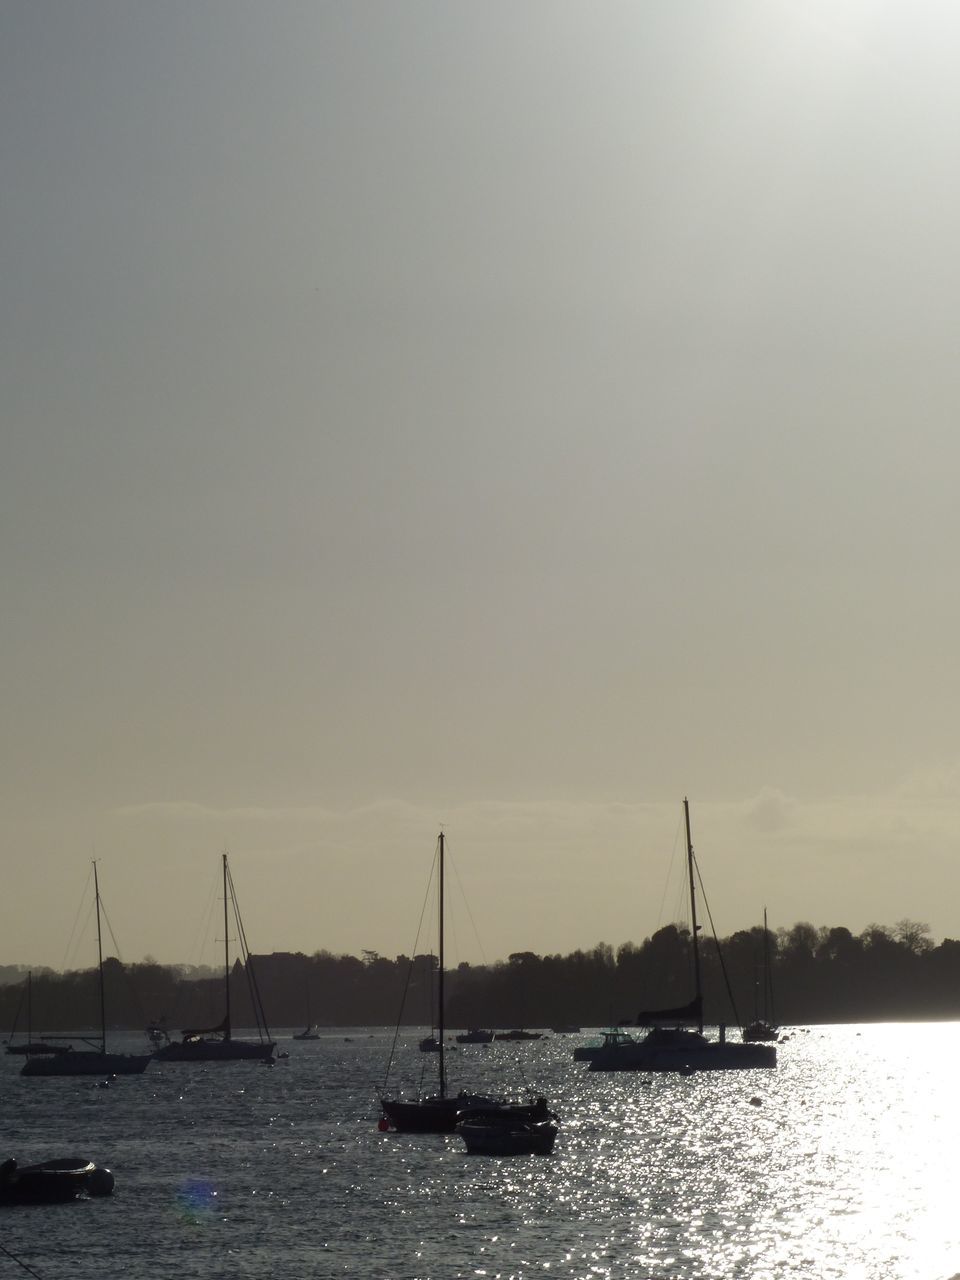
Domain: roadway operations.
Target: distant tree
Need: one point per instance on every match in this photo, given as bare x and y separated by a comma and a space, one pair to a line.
914, 936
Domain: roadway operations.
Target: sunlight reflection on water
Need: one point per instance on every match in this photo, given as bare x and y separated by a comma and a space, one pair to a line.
837, 1166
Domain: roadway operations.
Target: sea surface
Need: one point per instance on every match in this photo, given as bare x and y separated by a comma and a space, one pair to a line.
843, 1162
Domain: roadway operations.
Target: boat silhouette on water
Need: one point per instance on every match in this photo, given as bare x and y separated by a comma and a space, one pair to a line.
217, 1044
500, 1136
671, 1044
94, 1060
31, 1047
440, 1112
763, 1028
53, 1181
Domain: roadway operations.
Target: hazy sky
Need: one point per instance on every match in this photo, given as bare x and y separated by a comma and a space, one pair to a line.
509, 416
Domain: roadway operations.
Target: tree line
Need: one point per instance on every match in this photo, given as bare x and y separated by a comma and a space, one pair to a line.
818, 975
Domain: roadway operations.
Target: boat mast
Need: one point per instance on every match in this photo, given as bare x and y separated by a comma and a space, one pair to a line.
226, 953
442, 1065
103, 1007
695, 928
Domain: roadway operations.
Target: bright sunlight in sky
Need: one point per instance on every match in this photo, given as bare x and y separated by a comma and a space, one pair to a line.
505, 417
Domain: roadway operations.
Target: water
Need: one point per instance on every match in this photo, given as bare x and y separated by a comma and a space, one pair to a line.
841, 1164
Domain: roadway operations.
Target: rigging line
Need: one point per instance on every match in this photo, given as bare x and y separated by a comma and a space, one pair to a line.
466, 903
413, 956
670, 876
131, 985
16, 1016
113, 938
252, 984
204, 927
20, 1262
716, 942
74, 958
80, 905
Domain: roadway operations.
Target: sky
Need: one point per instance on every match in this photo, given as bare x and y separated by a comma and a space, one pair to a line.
509, 418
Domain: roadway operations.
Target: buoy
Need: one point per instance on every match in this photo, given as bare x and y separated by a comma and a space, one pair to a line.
755, 1102
383, 1124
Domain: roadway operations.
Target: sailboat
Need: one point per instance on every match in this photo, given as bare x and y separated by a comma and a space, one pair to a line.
93, 1061
309, 1032
31, 1046
440, 1112
763, 1027
671, 1044
217, 1044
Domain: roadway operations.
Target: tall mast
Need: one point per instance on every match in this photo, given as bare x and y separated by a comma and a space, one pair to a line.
693, 918
226, 953
443, 1072
767, 982
103, 1007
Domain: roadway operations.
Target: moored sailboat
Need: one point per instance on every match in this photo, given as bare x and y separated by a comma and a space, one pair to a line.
763, 1028
94, 1060
29, 1047
670, 1043
217, 1044
440, 1112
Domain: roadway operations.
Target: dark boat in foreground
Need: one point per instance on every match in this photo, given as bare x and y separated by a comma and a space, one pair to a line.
53, 1181
216, 1044
675, 1047
440, 1112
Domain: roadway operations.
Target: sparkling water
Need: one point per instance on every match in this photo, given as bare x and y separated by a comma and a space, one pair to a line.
842, 1163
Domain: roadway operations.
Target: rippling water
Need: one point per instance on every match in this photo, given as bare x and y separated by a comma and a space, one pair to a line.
841, 1163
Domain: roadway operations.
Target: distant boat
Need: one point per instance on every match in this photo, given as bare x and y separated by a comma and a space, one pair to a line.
565, 1030
615, 1038
475, 1036
309, 1032
157, 1032
440, 1112
762, 1028
670, 1045
217, 1044
518, 1035
30, 1046
93, 1061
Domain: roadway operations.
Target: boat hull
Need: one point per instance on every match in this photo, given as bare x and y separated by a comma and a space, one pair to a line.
53, 1181
216, 1051
761, 1032
442, 1115
87, 1062
37, 1047
709, 1056
507, 1139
